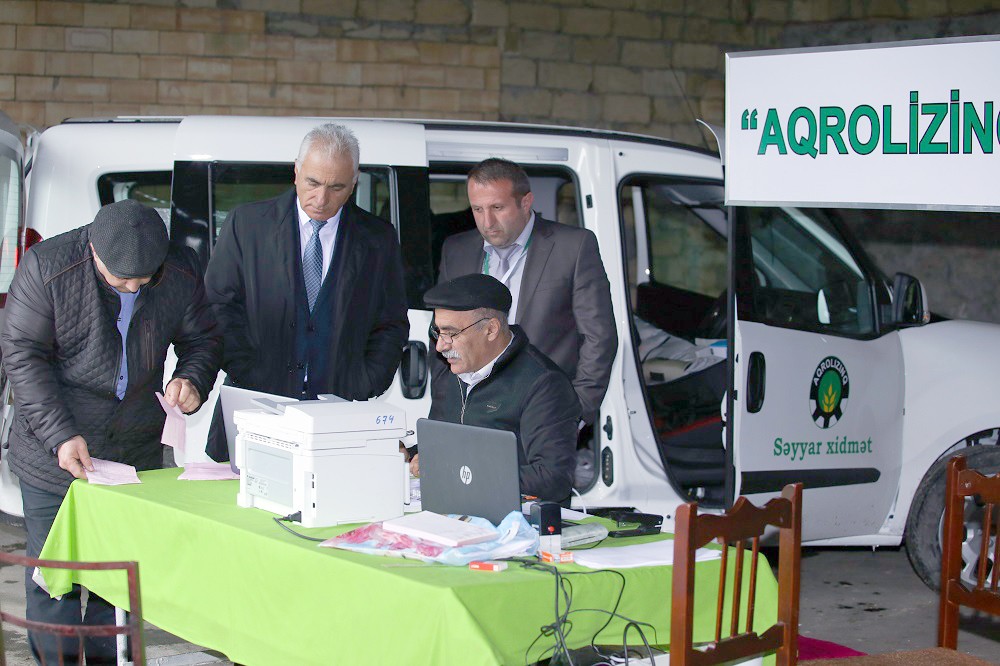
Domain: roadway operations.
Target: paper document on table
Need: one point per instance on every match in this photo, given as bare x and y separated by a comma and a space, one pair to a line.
108, 473
207, 471
652, 554
174, 427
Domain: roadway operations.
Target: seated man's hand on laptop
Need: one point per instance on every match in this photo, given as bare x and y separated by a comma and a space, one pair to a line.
415, 464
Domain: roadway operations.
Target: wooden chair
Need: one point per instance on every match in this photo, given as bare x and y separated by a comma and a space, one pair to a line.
132, 628
741, 524
961, 483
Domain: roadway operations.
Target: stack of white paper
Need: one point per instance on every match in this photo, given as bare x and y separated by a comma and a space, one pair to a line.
440, 529
654, 553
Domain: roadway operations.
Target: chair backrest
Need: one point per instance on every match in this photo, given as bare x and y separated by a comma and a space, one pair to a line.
741, 524
132, 628
962, 483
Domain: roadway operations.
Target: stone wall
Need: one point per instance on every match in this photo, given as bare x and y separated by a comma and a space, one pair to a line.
647, 66
63, 59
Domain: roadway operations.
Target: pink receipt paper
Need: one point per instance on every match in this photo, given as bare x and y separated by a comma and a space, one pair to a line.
207, 471
174, 427
108, 473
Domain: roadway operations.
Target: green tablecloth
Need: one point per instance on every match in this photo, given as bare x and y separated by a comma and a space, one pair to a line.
229, 579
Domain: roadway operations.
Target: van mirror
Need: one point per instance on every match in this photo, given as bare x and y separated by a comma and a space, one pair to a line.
909, 301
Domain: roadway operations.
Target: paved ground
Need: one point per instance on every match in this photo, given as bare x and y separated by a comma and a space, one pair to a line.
871, 601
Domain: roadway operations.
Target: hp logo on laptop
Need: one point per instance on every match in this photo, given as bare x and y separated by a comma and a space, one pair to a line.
465, 474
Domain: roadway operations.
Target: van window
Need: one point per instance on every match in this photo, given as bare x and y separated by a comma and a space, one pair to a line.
238, 183
555, 198
675, 250
806, 276
147, 187
10, 212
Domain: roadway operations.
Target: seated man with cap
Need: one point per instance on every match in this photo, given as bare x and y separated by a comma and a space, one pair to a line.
501, 381
90, 314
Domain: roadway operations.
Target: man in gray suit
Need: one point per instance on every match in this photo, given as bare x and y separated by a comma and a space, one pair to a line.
561, 295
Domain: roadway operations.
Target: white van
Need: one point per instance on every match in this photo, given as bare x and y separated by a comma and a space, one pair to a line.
836, 384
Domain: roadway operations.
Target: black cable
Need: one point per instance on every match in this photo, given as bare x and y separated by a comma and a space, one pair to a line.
290, 530
562, 626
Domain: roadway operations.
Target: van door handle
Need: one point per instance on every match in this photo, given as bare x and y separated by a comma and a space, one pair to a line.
413, 370
608, 428
756, 380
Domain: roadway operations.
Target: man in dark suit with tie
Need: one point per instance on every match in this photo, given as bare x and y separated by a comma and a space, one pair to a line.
562, 298
308, 288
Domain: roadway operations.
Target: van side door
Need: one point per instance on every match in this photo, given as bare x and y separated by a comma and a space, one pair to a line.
818, 393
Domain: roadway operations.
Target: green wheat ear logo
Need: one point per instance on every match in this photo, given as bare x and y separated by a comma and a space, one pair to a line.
829, 396
828, 392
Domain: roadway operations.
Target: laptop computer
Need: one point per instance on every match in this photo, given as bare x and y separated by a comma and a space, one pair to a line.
233, 399
468, 470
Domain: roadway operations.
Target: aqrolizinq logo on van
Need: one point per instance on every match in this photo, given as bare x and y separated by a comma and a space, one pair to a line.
828, 392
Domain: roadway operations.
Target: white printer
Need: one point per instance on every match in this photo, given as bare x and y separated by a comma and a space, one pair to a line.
333, 461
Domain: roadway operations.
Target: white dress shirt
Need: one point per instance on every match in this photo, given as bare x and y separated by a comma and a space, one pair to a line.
517, 261
327, 235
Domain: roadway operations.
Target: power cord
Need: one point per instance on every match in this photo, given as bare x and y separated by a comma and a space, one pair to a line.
294, 517
562, 626
583, 507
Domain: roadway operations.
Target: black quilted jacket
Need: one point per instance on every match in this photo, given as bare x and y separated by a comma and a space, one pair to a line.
529, 395
62, 352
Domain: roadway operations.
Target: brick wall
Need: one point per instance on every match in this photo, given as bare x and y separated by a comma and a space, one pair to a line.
60, 59
649, 66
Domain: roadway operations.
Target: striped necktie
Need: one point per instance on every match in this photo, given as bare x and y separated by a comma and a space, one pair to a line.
312, 264
503, 256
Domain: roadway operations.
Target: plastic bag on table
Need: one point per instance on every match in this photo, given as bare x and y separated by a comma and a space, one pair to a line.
515, 537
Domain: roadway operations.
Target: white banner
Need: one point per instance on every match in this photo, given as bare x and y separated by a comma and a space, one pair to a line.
897, 125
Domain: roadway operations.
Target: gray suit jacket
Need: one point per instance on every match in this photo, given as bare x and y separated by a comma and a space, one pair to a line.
564, 305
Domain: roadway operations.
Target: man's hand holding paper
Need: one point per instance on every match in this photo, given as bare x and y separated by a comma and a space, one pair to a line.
74, 457
109, 473
174, 428
182, 393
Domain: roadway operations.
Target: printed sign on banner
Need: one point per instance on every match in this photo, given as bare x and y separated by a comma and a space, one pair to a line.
896, 125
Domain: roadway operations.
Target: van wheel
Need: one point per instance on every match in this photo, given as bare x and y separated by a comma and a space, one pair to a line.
926, 520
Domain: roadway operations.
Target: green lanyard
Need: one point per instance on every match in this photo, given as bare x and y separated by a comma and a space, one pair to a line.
486, 255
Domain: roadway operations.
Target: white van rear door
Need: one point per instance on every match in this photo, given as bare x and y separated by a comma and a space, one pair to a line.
819, 391
11, 217
11, 201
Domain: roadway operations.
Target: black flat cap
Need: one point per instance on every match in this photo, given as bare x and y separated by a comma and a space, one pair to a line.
469, 292
130, 238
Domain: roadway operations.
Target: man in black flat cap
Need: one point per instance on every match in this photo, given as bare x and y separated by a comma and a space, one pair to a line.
90, 315
501, 381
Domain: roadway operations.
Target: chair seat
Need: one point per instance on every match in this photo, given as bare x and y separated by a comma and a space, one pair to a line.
930, 657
